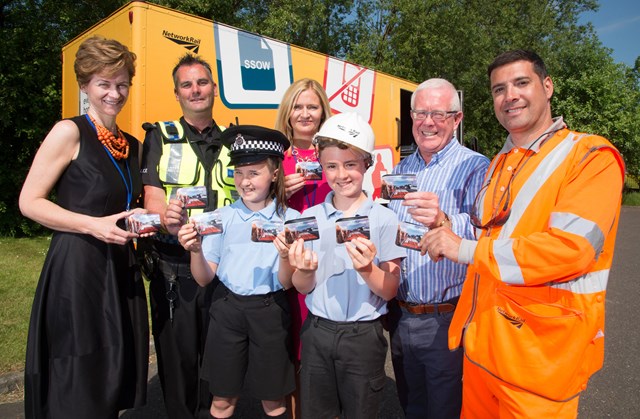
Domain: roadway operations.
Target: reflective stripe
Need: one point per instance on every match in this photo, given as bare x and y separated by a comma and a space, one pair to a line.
173, 164
223, 174
574, 224
507, 264
179, 166
535, 181
589, 283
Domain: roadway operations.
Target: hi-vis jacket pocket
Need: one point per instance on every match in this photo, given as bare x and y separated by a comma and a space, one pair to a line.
541, 344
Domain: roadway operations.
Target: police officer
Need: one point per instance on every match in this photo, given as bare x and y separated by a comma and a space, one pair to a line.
178, 154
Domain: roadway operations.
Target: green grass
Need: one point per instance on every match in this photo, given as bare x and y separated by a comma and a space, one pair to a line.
20, 267
632, 191
631, 182
631, 198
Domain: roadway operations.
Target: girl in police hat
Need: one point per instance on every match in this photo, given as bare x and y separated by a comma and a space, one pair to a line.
247, 344
343, 348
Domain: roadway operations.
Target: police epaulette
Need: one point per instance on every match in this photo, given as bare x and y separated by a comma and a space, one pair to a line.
148, 126
171, 130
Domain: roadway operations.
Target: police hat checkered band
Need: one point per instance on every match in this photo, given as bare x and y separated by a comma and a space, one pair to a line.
249, 144
257, 146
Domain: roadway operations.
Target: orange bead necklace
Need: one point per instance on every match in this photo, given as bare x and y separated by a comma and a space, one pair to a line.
118, 147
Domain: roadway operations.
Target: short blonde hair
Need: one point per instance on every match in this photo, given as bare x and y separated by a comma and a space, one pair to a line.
289, 100
97, 55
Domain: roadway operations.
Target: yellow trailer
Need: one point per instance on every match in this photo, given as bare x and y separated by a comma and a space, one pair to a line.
252, 73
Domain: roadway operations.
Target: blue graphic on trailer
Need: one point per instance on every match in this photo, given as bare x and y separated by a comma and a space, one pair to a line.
256, 63
265, 70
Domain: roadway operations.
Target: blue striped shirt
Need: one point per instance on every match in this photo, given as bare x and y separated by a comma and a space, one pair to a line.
455, 174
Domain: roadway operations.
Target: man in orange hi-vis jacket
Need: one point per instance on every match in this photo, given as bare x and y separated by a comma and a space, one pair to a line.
531, 313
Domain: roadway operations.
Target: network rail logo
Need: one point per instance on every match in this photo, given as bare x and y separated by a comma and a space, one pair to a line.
517, 321
189, 42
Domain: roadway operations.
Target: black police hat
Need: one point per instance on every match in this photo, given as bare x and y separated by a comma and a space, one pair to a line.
250, 144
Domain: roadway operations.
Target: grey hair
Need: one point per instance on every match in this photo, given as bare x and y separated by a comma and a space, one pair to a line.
438, 84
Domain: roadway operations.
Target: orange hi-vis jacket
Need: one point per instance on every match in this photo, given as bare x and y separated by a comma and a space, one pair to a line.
531, 311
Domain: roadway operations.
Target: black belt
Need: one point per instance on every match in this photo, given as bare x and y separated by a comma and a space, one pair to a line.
180, 269
266, 299
444, 307
339, 325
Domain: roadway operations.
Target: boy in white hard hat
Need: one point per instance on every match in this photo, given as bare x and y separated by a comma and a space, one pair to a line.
347, 285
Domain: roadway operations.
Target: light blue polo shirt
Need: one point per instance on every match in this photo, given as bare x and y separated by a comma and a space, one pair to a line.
341, 294
244, 266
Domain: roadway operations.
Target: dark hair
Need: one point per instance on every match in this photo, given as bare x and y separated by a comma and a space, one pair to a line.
97, 55
519, 55
277, 189
187, 60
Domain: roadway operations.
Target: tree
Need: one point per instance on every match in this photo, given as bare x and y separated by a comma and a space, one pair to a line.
599, 96
225, 11
31, 37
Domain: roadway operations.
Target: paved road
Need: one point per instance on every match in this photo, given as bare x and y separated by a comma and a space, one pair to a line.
613, 392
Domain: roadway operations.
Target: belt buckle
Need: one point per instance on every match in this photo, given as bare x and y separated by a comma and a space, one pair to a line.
416, 308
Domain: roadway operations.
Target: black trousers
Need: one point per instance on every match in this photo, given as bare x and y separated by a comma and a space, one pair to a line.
342, 368
179, 335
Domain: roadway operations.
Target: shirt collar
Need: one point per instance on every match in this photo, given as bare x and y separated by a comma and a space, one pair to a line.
197, 136
557, 125
440, 157
331, 211
245, 213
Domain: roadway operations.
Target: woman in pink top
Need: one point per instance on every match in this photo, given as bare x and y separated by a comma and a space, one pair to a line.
302, 111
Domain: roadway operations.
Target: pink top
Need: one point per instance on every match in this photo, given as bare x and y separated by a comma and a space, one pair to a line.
314, 191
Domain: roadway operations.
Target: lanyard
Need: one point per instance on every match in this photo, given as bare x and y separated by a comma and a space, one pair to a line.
127, 185
311, 203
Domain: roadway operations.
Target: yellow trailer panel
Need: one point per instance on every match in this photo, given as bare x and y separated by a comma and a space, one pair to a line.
252, 73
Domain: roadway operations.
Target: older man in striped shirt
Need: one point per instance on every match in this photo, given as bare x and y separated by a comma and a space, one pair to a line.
428, 375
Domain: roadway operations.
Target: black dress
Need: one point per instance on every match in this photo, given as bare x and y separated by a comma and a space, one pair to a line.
88, 343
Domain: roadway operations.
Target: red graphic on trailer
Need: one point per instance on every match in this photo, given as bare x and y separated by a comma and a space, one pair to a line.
376, 177
350, 88
383, 158
351, 82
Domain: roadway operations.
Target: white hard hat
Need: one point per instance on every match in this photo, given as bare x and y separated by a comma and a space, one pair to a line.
349, 128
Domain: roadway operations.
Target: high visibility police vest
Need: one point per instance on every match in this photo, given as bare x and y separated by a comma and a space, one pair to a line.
179, 167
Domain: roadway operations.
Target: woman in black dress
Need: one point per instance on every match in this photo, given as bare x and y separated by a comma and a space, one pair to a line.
87, 349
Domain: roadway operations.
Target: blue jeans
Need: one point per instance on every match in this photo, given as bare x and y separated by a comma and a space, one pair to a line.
428, 374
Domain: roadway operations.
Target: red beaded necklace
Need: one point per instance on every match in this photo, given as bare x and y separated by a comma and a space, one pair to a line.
118, 147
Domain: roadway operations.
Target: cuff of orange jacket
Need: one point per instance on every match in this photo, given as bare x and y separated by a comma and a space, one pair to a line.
466, 250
